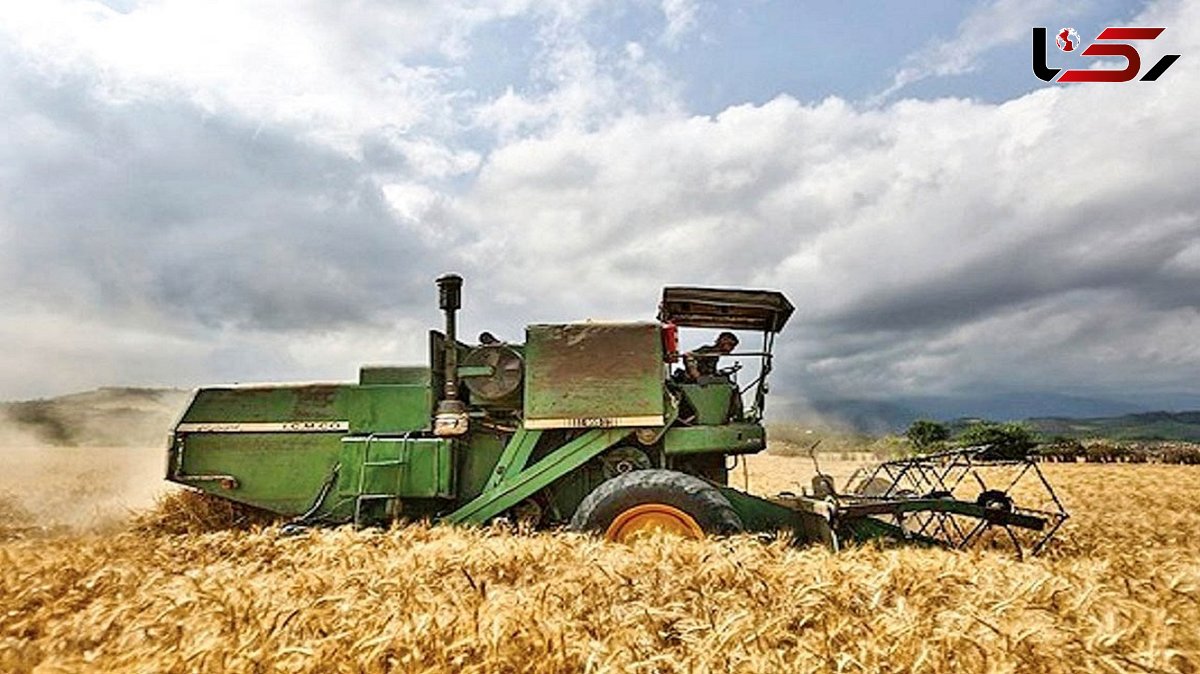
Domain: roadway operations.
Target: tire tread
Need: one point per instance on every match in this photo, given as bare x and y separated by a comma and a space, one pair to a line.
700, 499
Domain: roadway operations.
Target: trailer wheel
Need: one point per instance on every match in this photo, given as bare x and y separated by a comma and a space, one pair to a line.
643, 501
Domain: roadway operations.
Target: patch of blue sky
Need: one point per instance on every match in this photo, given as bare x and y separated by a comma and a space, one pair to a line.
120, 6
753, 52
501, 56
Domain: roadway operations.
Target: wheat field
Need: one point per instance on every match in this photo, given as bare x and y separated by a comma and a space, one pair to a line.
1118, 592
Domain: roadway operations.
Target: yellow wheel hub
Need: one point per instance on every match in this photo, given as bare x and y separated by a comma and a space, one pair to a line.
648, 518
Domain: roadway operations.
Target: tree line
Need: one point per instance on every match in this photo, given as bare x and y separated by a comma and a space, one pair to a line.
1015, 441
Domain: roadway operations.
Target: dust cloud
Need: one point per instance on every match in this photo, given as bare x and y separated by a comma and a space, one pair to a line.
83, 463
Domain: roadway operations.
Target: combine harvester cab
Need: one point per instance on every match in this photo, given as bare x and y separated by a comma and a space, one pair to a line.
587, 425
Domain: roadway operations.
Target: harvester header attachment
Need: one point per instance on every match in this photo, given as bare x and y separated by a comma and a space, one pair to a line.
957, 498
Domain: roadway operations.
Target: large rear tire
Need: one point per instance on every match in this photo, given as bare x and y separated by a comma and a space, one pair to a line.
644, 501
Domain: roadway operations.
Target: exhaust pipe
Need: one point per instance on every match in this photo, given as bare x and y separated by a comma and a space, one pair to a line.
451, 416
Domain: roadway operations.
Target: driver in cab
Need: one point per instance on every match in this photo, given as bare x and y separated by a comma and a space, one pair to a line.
703, 361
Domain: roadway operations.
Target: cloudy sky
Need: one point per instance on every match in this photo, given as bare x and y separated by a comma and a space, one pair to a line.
200, 192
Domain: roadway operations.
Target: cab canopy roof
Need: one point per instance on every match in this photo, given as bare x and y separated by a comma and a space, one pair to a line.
762, 310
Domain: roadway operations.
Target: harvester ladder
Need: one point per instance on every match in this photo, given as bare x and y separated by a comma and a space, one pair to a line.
367, 463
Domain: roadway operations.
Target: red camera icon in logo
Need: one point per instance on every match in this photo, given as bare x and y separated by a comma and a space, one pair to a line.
1067, 40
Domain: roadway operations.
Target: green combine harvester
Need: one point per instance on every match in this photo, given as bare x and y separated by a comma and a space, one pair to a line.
584, 425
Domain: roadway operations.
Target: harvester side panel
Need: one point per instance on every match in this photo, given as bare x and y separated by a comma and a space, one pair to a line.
265, 403
388, 408
584, 375
418, 375
383, 408
279, 472
728, 439
276, 446
476, 461
712, 403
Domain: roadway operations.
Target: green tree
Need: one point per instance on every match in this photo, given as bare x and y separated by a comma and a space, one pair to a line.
1006, 441
926, 435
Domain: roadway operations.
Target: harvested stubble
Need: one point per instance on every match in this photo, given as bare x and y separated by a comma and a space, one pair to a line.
1120, 593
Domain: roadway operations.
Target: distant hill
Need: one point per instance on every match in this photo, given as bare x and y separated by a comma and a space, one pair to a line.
1137, 418
1180, 426
105, 417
